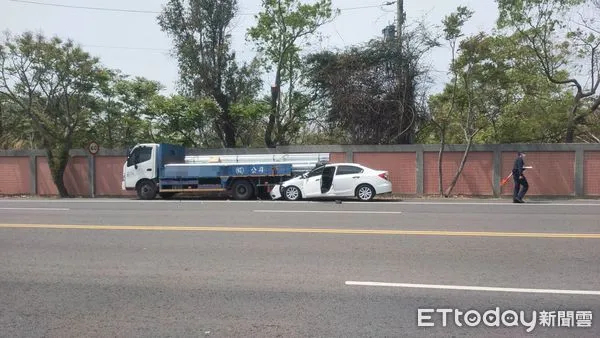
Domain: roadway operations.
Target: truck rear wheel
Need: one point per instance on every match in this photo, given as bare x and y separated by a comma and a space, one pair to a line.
146, 190
242, 190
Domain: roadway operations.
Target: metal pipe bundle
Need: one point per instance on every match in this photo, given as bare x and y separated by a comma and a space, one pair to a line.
311, 158
301, 163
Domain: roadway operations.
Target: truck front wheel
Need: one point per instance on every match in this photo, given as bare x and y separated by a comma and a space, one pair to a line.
146, 190
242, 190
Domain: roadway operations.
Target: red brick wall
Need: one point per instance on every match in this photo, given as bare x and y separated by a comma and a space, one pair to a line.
109, 174
402, 168
475, 179
76, 177
14, 175
591, 173
553, 173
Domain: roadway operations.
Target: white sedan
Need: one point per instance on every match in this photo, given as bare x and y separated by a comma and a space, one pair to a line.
335, 180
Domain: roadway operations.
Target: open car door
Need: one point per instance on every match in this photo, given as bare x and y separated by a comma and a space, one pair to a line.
312, 183
327, 179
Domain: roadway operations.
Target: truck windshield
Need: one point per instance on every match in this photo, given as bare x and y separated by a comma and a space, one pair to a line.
139, 155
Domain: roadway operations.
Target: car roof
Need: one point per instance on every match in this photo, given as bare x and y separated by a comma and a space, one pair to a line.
339, 164
352, 164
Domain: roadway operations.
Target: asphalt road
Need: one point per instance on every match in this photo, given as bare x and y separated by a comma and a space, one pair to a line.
266, 269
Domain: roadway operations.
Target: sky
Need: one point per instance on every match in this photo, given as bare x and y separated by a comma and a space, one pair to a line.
134, 43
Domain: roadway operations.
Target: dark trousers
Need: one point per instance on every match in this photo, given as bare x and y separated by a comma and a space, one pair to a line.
519, 193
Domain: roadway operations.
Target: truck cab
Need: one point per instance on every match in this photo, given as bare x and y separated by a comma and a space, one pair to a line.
142, 169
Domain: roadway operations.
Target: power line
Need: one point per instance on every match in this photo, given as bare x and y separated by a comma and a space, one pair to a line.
124, 47
156, 12
162, 50
86, 7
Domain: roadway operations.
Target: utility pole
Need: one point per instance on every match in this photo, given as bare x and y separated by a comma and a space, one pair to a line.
400, 20
402, 68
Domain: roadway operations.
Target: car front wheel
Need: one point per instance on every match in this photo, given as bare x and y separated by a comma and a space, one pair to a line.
292, 193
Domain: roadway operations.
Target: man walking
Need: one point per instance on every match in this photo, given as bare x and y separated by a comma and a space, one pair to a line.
519, 179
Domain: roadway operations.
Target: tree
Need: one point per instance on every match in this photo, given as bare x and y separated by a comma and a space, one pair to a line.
442, 116
521, 104
282, 29
51, 81
122, 111
183, 120
16, 131
473, 115
207, 66
360, 88
559, 48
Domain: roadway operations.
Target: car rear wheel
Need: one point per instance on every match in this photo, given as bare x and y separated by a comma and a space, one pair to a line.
365, 192
292, 193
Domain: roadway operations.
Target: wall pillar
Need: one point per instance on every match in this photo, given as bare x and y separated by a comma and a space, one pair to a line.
579, 182
420, 170
497, 172
350, 156
33, 174
92, 174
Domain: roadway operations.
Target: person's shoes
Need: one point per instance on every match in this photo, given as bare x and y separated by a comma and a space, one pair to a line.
518, 201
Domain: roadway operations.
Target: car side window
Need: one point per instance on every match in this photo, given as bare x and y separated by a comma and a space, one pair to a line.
316, 172
348, 170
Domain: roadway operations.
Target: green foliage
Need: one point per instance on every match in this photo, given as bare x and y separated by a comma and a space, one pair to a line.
283, 29
181, 120
371, 93
516, 103
52, 83
454, 22
207, 66
122, 110
561, 45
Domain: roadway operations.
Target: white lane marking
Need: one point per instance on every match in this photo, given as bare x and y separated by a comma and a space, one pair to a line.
329, 211
531, 204
475, 288
44, 209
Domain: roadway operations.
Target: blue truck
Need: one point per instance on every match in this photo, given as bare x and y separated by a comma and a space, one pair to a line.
164, 169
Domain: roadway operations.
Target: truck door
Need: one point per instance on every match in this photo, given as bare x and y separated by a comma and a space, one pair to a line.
140, 164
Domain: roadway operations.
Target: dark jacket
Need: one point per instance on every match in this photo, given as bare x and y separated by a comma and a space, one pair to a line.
518, 167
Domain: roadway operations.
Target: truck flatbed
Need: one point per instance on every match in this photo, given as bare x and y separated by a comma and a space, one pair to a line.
185, 170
